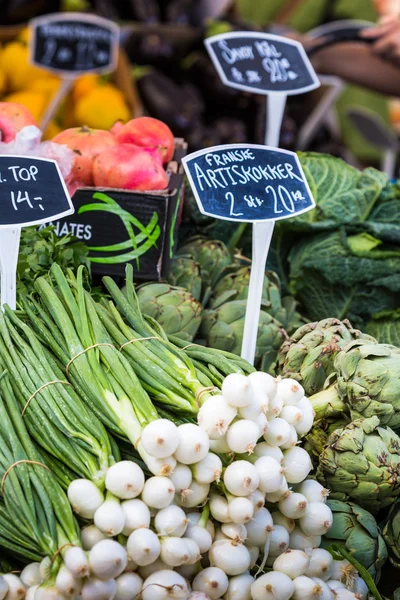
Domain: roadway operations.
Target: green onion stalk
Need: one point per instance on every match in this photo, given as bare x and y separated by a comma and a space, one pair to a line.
186, 370
36, 519
54, 413
65, 319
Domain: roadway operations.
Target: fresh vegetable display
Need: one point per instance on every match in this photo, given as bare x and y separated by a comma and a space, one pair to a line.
141, 457
236, 457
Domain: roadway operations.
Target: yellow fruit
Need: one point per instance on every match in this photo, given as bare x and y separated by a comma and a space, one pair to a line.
47, 86
35, 102
83, 85
15, 64
2, 81
100, 108
24, 35
52, 130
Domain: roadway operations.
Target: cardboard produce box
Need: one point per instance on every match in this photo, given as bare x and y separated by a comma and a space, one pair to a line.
121, 226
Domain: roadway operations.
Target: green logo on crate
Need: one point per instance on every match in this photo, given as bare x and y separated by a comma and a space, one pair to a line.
140, 238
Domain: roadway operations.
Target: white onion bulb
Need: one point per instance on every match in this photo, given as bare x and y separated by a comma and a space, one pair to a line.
129, 586
107, 559
292, 562
236, 390
270, 473
231, 557
165, 585
209, 469
242, 436
297, 464
215, 416
110, 518
171, 521
313, 491
158, 492
259, 528
125, 479
290, 391
272, 586
241, 478
278, 432
320, 564
300, 541
317, 520
193, 445
241, 510
293, 505
84, 497
160, 438
143, 547
239, 587
279, 541
211, 581
280, 519
137, 514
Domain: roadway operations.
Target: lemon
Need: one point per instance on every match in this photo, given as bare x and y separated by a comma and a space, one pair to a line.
15, 65
100, 108
35, 102
47, 86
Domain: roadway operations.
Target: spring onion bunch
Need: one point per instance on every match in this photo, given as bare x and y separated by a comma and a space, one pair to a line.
36, 520
52, 410
240, 521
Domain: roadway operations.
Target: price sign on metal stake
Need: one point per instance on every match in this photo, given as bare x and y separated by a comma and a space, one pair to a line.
276, 67
263, 63
71, 44
32, 191
250, 183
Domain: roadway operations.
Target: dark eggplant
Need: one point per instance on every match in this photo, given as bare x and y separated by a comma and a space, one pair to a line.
201, 71
180, 11
15, 12
169, 102
145, 11
231, 131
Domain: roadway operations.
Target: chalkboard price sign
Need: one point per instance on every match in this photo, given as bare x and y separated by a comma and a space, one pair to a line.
74, 43
32, 191
262, 63
250, 183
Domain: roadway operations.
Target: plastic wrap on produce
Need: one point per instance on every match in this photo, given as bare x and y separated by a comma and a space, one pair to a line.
28, 142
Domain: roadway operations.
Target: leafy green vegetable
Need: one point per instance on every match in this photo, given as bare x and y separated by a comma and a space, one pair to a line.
343, 258
39, 249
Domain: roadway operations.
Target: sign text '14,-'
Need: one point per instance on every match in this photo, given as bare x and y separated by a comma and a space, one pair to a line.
21, 174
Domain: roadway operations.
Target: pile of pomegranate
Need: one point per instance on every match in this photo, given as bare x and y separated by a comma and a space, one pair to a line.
131, 156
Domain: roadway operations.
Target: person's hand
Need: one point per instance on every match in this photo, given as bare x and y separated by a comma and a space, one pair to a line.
387, 39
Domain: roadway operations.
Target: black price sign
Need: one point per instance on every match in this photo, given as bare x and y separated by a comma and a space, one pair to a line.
32, 191
245, 182
74, 43
262, 63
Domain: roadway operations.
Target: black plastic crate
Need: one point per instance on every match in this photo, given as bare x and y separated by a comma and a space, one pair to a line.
123, 226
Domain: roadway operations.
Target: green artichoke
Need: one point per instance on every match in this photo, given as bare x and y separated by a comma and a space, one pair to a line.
173, 308
357, 530
361, 463
368, 381
391, 534
185, 272
213, 257
308, 356
222, 328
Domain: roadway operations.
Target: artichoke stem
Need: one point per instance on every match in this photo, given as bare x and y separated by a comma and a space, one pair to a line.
317, 439
328, 403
